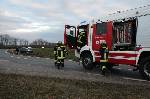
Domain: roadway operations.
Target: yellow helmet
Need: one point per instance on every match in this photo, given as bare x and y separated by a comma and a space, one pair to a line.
59, 43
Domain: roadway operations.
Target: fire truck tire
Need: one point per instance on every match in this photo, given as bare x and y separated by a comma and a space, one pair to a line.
87, 61
144, 68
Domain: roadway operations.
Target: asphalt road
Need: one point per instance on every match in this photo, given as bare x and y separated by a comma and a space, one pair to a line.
37, 66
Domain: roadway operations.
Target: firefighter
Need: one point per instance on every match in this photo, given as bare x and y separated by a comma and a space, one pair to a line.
55, 52
17, 50
104, 57
81, 40
59, 52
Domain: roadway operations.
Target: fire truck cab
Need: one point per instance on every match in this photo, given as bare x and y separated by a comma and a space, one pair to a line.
127, 35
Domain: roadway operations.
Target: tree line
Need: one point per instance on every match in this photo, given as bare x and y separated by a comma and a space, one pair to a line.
6, 41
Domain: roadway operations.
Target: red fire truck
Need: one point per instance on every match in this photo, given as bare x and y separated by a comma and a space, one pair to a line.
126, 33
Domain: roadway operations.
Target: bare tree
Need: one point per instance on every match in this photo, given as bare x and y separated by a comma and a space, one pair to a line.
40, 42
7, 40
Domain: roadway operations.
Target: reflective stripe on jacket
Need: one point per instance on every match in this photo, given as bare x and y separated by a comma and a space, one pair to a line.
61, 52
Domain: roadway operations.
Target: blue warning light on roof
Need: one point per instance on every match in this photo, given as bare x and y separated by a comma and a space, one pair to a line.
83, 22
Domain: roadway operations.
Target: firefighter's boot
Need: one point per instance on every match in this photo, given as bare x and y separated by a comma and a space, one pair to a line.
103, 70
55, 62
62, 62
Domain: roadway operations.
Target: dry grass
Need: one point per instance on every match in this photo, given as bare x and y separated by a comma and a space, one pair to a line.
11, 51
27, 87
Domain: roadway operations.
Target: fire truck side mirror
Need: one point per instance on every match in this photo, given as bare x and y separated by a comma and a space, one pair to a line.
92, 26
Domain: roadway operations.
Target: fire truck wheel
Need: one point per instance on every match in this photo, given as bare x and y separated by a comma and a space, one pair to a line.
144, 68
87, 61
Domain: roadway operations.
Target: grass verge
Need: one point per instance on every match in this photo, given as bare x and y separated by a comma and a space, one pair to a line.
48, 53
14, 86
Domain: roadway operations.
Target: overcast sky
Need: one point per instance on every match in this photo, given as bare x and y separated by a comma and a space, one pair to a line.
32, 19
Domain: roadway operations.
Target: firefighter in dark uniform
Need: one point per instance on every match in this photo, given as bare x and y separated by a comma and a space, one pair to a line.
81, 40
104, 57
17, 50
59, 52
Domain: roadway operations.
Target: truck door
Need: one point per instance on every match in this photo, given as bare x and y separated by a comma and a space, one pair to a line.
83, 30
70, 38
102, 32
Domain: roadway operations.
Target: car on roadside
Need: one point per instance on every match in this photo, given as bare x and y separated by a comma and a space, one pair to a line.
25, 50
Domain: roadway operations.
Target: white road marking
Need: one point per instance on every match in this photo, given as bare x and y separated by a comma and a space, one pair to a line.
135, 79
25, 58
37, 57
130, 69
5, 51
119, 68
89, 73
18, 57
97, 74
11, 56
47, 58
4, 60
94, 74
29, 56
